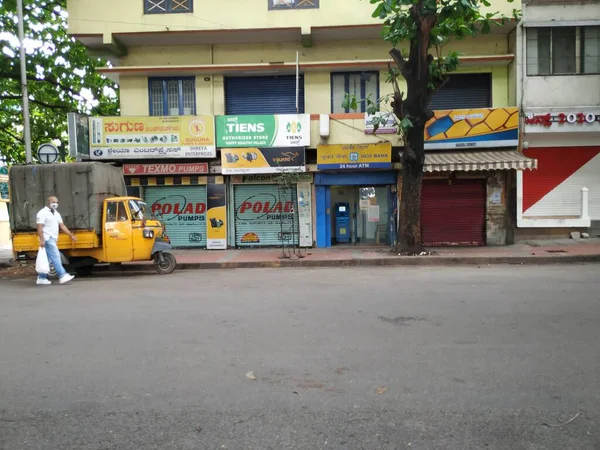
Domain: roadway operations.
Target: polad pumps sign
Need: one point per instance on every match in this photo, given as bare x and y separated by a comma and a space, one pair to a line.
283, 130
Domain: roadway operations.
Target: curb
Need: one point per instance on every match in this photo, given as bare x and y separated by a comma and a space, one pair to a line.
373, 262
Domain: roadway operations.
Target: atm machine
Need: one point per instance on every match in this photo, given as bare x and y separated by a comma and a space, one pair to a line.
342, 222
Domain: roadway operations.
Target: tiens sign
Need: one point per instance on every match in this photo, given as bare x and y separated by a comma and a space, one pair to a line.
263, 131
547, 120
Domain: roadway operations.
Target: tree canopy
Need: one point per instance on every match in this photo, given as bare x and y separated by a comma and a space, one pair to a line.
423, 28
61, 78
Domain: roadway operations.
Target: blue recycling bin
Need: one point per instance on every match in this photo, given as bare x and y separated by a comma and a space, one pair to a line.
342, 222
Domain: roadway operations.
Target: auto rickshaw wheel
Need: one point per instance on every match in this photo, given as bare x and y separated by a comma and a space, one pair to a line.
166, 264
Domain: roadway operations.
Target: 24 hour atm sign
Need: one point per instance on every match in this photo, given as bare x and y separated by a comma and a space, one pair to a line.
352, 157
283, 130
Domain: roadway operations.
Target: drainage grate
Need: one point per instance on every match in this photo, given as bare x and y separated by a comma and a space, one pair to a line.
556, 251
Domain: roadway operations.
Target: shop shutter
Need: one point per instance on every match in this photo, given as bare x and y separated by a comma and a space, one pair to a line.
263, 95
464, 91
453, 214
258, 211
183, 211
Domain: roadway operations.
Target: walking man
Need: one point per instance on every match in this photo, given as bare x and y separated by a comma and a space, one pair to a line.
48, 223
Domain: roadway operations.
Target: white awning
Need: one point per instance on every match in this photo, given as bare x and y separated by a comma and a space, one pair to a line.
481, 160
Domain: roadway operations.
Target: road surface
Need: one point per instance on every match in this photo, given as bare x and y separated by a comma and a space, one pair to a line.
355, 358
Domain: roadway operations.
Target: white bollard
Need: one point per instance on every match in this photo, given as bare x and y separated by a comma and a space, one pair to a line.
584, 203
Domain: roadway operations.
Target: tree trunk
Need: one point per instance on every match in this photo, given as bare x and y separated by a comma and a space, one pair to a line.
410, 202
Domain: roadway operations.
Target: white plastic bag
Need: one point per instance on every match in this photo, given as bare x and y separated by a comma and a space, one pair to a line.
42, 266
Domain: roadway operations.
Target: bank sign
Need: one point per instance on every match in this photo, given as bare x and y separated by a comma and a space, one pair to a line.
284, 130
129, 137
354, 156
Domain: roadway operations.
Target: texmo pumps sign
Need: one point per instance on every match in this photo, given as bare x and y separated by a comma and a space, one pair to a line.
288, 130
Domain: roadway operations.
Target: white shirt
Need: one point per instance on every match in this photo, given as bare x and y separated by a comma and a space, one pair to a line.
51, 221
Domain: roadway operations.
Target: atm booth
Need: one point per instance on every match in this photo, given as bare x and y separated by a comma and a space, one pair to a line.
342, 223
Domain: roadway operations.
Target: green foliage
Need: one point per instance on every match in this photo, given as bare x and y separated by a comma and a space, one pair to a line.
424, 27
61, 78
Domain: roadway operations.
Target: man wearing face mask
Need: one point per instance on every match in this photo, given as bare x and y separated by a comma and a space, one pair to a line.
49, 222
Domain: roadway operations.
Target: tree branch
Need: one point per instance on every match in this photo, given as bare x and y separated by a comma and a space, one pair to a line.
400, 62
52, 81
37, 102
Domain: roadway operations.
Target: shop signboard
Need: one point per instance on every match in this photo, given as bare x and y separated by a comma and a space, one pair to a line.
354, 156
386, 123
563, 121
166, 169
472, 128
216, 215
152, 137
262, 160
267, 178
283, 130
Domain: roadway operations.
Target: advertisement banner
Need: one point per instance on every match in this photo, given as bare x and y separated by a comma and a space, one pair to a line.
472, 128
236, 161
284, 130
166, 169
152, 137
387, 123
216, 215
354, 156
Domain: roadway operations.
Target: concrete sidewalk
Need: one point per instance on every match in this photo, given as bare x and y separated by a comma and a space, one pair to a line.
534, 252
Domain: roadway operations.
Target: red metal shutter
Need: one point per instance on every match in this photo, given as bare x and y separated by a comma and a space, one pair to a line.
453, 214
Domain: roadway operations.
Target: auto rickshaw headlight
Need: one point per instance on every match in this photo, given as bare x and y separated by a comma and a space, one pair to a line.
148, 234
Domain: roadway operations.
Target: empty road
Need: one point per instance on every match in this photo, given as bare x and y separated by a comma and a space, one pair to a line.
458, 358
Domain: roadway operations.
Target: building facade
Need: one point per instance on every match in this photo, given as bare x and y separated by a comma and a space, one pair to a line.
559, 91
273, 75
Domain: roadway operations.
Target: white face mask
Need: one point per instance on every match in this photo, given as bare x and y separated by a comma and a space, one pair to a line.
54, 206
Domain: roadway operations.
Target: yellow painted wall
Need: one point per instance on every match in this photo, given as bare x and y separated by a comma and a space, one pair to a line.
317, 92
110, 16
266, 53
134, 96
348, 131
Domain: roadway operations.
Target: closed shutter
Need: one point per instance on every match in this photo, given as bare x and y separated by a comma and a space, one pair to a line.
263, 95
464, 91
453, 214
265, 215
183, 211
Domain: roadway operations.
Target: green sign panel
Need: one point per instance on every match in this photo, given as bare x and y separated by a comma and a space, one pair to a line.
284, 130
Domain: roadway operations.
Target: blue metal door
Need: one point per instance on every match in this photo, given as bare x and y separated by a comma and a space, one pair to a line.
323, 216
263, 95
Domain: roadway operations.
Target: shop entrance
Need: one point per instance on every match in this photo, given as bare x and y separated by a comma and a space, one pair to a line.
360, 215
356, 208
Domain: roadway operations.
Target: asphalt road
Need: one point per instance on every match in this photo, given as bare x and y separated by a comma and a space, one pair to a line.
377, 358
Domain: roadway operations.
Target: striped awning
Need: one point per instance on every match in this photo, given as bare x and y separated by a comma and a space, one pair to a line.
481, 160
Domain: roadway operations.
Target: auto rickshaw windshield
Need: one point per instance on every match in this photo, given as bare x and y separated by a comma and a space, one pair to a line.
140, 210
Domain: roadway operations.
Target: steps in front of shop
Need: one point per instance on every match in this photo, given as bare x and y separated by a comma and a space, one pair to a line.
594, 229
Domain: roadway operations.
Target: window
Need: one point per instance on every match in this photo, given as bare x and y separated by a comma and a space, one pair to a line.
111, 212
168, 6
563, 50
360, 84
122, 213
293, 4
172, 96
